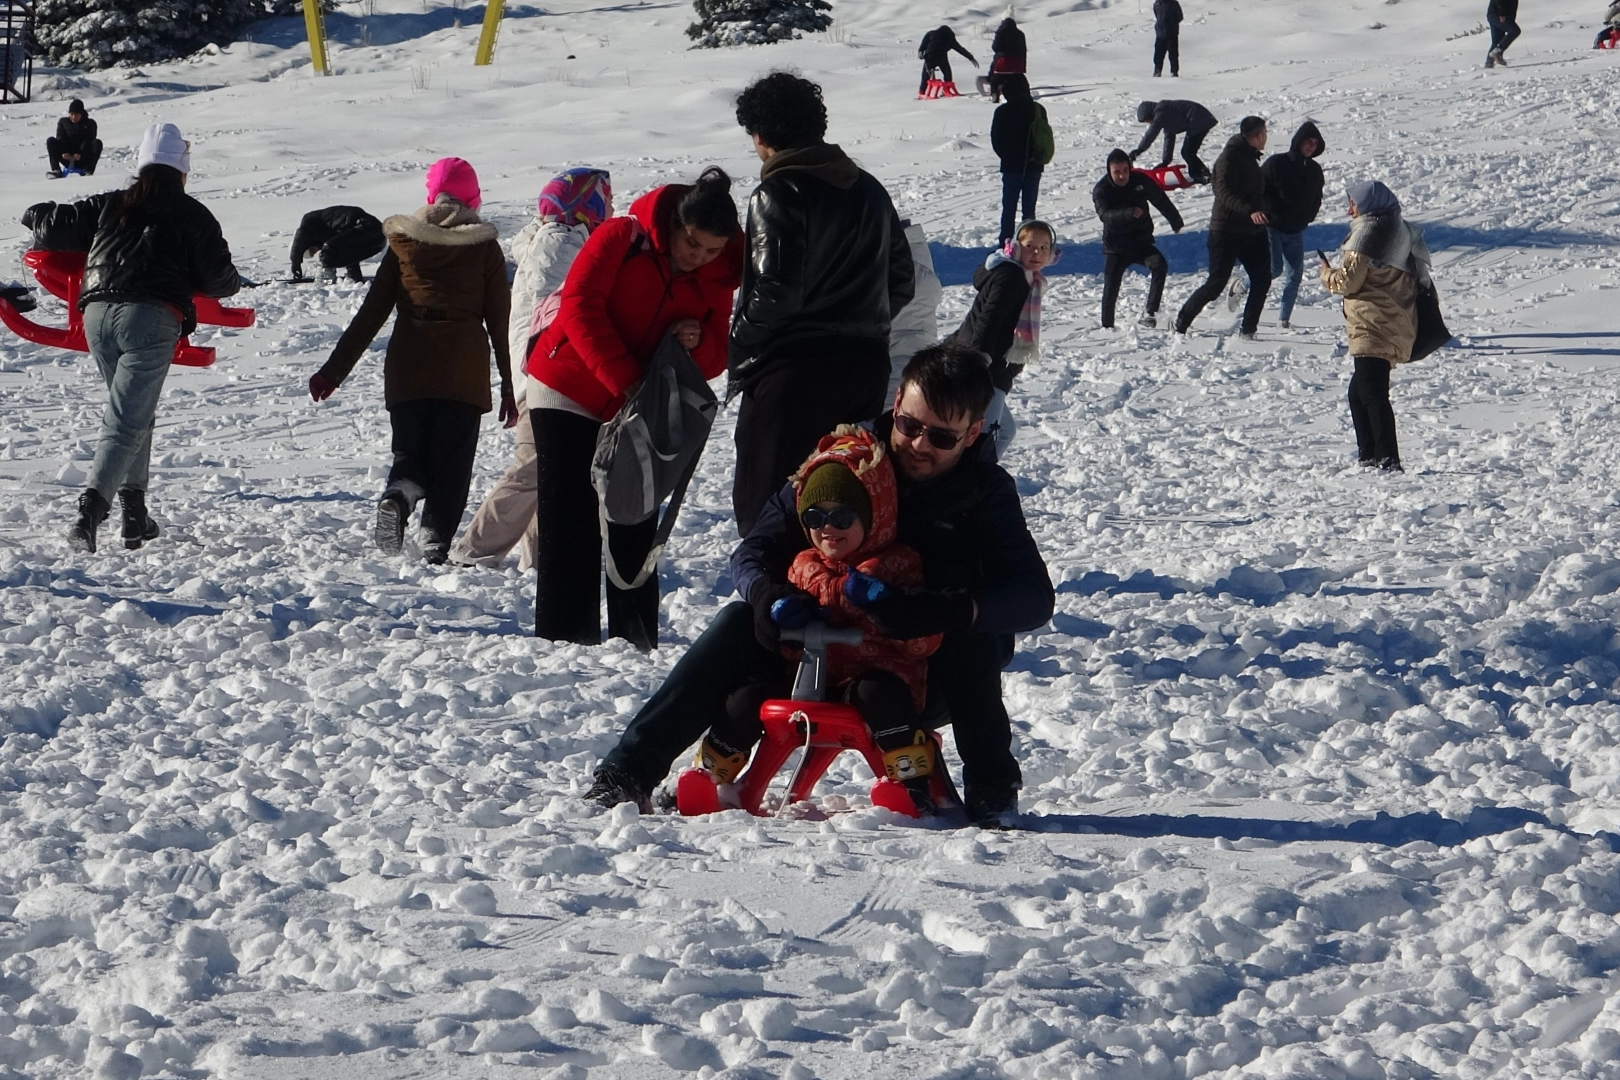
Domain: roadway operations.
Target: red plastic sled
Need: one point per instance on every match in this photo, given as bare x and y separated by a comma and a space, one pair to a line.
938, 88
1170, 177
60, 273
1611, 40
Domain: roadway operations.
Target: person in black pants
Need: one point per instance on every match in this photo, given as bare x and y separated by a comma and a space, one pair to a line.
828, 267
1122, 199
1174, 118
1502, 17
75, 144
343, 235
986, 581
1237, 229
1023, 157
1166, 36
935, 53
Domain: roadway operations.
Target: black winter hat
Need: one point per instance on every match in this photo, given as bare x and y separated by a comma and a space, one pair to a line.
1116, 154
77, 106
834, 483
1144, 111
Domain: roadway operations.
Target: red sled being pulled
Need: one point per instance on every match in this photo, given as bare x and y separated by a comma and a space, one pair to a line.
822, 730
938, 88
61, 273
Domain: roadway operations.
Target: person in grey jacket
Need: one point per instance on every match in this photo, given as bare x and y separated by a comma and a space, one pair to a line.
1173, 118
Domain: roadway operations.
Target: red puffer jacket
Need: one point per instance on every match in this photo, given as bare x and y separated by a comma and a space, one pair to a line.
620, 297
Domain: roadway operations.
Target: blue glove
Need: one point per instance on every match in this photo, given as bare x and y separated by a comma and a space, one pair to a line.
794, 612
863, 589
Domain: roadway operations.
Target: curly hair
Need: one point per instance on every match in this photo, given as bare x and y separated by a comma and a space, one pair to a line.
785, 110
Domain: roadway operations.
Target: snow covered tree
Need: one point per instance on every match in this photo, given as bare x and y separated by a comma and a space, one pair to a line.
756, 22
101, 33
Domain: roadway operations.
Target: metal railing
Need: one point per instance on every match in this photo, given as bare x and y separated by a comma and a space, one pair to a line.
16, 51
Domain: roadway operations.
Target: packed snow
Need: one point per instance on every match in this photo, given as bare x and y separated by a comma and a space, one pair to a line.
1322, 768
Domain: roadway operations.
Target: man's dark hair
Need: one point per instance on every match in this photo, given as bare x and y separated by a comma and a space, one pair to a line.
954, 380
1251, 124
1015, 86
784, 110
1116, 154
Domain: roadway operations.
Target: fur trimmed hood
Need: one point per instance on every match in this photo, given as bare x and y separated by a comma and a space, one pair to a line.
445, 222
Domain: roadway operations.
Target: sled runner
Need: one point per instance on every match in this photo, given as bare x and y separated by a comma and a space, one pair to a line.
1170, 177
938, 88
60, 273
821, 729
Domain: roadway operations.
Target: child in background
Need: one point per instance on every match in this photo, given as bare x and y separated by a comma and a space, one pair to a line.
847, 505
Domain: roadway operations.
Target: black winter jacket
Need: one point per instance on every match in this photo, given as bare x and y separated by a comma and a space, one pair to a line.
990, 322
938, 44
966, 526
1294, 183
1124, 233
827, 259
167, 255
319, 226
1173, 118
74, 138
1009, 40
1166, 17
1240, 189
1507, 10
1010, 134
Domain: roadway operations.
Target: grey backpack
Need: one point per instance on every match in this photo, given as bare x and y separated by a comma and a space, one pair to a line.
649, 451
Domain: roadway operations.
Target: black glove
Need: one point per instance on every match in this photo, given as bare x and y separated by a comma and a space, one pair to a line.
915, 615
766, 628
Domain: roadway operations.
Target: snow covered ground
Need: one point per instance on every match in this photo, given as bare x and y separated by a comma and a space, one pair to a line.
1323, 769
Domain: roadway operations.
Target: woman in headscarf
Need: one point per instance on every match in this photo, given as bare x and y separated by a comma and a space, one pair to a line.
1382, 266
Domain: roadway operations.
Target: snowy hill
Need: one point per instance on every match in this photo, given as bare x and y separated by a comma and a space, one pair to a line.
1321, 768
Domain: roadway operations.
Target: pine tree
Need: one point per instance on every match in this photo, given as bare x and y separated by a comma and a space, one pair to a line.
100, 33
756, 22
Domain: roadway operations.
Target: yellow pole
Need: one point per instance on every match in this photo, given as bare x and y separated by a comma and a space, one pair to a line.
315, 25
492, 26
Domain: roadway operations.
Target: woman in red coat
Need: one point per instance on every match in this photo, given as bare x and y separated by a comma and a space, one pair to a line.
671, 266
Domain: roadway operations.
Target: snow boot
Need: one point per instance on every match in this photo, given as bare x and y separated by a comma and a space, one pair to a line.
1237, 294
55, 174
93, 510
328, 275
1247, 335
1149, 321
138, 524
611, 785
355, 274
719, 760
997, 809
389, 531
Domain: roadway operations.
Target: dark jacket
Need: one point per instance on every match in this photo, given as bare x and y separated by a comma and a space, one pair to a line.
1503, 10
1173, 118
1166, 18
74, 138
319, 226
166, 255
1240, 189
990, 322
1009, 40
446, 275
967, 526
938, 43
828, 262
1294, 183
1010, 131
1124, 233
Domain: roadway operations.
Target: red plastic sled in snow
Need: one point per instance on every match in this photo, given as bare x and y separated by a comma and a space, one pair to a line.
1170, 177
1611, 40
60, 274
823, 730
938, 88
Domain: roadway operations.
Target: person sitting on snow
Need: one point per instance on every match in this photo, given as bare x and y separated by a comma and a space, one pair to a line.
847, 508
935, 53
75, 146
342, 236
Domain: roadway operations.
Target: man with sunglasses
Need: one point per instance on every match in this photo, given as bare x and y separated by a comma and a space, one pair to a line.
985, 582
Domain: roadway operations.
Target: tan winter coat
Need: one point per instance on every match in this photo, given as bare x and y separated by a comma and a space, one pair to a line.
1380, 307
446, 276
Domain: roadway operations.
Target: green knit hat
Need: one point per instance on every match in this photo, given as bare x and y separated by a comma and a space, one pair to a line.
834, 483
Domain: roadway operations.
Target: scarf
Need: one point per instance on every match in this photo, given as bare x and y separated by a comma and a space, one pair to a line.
1026, 346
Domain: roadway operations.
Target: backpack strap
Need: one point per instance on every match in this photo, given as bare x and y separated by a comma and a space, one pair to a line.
665, 526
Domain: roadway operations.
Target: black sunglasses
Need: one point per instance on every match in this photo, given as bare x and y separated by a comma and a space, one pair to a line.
938, 438
839, 517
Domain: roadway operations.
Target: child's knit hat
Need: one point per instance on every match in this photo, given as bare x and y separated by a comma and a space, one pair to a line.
834, 483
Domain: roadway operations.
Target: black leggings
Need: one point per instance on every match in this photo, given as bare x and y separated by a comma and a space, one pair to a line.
1372, 414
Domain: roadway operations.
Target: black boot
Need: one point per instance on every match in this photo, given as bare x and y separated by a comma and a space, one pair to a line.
138, 524
355, 273
93, 510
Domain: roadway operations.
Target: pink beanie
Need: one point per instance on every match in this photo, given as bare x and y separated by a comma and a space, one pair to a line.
455, 178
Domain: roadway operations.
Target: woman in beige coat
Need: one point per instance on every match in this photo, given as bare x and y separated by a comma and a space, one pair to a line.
1383, 265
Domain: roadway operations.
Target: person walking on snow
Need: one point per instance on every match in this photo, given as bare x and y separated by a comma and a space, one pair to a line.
935, 53
1383, 265
75, 145
1294, 185
1010, 56
828, 268
1022, 138
915, 326
446, 276
1174, 118
1166, 36
343, 236
571, 206
1005, 321
669, 268
151, 248
1122, 199
1502, 17
1237, 229
848, 510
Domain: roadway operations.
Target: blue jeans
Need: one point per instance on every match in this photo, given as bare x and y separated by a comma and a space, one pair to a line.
1014, 186
1288, 248
133, 345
